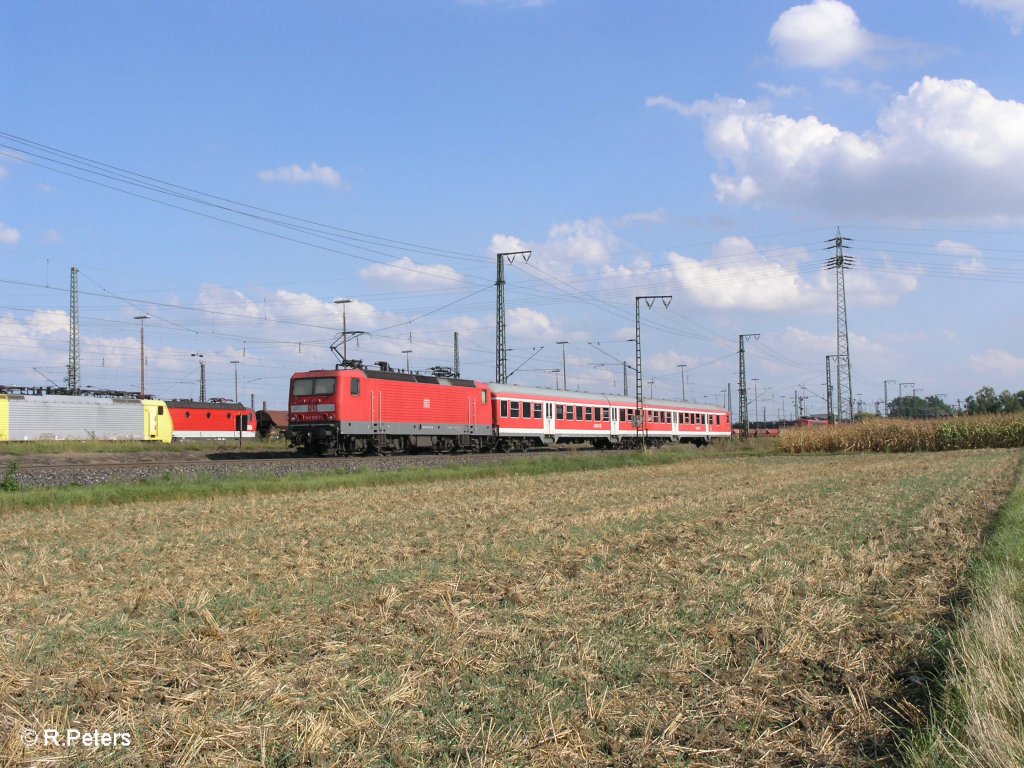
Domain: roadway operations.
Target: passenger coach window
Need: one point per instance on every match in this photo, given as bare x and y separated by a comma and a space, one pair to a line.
559, 411
570, 413
579, 413
589, 414
504, 409
527, 411
515, 409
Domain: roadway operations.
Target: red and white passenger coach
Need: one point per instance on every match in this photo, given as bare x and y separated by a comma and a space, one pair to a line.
544, 417
193, 419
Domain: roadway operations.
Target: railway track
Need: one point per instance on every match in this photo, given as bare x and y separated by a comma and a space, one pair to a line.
57, 470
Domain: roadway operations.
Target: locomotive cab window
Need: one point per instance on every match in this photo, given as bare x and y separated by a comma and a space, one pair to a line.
353, 387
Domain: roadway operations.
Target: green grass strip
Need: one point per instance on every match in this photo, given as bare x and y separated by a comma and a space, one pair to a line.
50, 447
981, 719
169, 488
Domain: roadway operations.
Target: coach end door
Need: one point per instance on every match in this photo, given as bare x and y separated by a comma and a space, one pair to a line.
549, 424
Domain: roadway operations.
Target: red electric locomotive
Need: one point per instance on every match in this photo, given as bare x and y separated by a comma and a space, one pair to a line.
193, 419
354, 410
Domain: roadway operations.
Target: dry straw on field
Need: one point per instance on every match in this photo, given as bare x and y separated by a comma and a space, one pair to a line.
902, 435
713, 612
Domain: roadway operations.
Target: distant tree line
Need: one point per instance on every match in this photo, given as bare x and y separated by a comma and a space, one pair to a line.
985, 400
914, 407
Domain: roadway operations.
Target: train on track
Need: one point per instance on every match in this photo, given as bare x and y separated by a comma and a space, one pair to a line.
26, 417
192, 419
354, 410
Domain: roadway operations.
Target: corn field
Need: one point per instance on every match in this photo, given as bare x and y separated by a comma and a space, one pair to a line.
904, 435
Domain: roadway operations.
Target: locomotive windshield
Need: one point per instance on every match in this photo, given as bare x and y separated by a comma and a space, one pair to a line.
313, 386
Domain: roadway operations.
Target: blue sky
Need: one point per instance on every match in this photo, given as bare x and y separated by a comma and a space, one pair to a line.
702, 150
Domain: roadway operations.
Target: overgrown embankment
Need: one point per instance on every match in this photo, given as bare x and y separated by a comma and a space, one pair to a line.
980, 722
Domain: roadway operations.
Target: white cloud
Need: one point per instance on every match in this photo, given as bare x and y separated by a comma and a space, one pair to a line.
1013, 10
855, 87
3, 171
947, 149
9, 235
970, 256
641, 217
735, 278
824, 34
586, 243
49, 322
52, 237
783, 91
527, 323
720, 105
295, 174
37, 340
738, 277
507, 244
406, 272
229, 301
996, 362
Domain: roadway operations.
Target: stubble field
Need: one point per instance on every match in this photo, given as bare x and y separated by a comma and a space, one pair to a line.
714, 611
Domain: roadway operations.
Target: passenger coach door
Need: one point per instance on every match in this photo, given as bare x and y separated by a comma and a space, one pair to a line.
549, 418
